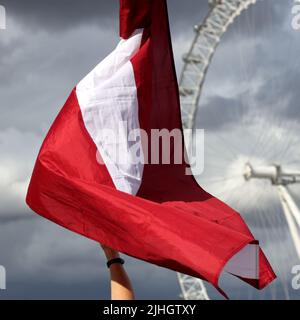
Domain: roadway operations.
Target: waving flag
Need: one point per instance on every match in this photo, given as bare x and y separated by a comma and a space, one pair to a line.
151, 211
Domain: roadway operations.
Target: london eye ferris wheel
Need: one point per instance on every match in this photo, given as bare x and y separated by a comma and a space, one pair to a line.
258, 169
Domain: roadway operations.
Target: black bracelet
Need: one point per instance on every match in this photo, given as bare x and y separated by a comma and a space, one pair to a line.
115, 260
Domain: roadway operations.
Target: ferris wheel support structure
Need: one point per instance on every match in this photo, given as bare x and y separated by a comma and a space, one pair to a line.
292, 215
281, 179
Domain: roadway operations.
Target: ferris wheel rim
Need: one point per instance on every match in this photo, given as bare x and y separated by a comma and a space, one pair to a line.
234, 9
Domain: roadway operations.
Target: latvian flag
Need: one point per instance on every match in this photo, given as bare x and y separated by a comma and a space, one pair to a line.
146, 209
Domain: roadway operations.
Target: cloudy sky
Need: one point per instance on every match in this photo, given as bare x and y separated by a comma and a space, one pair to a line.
249, 108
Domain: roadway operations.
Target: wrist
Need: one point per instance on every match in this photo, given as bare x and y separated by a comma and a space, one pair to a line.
111, 254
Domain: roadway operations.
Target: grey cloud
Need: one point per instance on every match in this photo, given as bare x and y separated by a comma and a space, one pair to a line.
217, 113
285, 100
42, 71
12, 219
263, 18
61, 14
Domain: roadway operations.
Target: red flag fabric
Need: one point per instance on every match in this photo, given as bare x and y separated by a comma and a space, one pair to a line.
151, 211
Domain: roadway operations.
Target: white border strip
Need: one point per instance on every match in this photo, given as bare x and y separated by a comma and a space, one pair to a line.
245, 263
108, 101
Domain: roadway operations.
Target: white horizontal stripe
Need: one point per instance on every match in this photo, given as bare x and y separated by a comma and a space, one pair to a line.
108, 100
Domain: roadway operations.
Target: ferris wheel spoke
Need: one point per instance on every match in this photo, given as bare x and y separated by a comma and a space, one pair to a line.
228, 193
228, 156
283, 278
221, 179
271, 255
